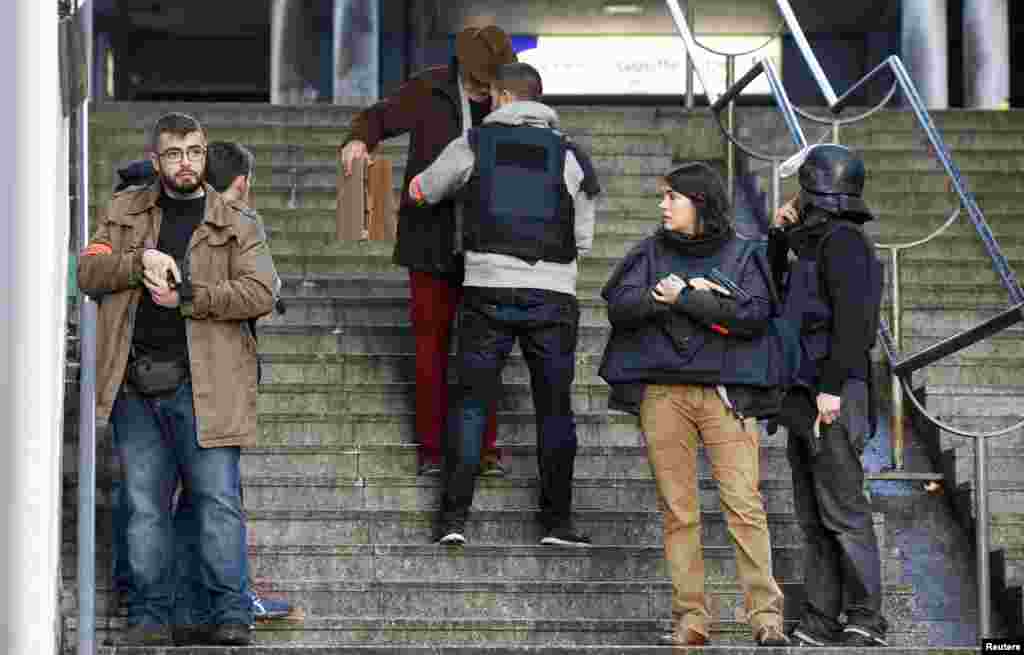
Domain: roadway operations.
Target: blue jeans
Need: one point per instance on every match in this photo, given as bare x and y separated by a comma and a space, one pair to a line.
155, 437
546, 324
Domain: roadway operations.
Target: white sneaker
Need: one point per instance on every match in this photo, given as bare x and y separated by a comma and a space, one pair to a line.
452, 538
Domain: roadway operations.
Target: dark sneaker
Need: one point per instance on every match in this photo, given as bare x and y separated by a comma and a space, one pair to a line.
190, 635
231, 634
565, 537
857, 637
771, 636
802, 636
492, 470
147, 635
430, 469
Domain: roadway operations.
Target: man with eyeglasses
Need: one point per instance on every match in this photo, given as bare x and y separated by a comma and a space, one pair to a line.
177, 273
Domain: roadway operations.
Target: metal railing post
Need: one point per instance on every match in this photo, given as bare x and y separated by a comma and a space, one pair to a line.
691, 16
896, 420
730, 153
87, 391
775, 198
981, 535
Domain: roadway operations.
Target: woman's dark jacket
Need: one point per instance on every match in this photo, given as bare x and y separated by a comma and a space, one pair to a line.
703, 338
429, 108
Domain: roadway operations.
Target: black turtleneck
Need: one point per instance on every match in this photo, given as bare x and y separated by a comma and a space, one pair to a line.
477, 111
159, 332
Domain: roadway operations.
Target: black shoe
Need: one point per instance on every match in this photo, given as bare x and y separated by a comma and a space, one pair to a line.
230, 634
565, 537
147, 635
855, 636
190, 635
803, 636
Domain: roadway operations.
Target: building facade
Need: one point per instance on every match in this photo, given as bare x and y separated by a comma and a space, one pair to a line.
961, 52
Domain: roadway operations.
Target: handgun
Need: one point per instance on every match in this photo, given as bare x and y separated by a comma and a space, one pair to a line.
720, 278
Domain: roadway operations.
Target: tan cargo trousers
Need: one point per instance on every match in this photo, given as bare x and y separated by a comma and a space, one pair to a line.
673, 417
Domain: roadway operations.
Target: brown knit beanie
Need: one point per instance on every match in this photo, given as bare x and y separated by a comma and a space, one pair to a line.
481, 50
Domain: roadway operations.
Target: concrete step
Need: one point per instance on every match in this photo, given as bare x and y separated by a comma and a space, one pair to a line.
398, 396
302, 527
516, 649
599, 428
1003, 497
975, 401
366, 461
407, 493
918, 160
1007, 531
1004, 465
488, 599
397, 563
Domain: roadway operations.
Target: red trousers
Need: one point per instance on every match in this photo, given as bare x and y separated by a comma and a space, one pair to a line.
434, 302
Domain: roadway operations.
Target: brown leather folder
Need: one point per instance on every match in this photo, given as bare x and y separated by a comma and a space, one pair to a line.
365, 209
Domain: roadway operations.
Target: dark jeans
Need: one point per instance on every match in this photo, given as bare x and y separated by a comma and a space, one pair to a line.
155, 438
841, 555
546, 324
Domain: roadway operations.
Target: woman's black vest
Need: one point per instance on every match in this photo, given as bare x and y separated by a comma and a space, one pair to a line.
516, 201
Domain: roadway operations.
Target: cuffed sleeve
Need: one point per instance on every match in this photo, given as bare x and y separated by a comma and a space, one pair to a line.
250, 291
448, 173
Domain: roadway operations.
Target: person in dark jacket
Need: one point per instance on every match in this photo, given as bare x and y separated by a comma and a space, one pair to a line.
834, 293
691, 345
434, 107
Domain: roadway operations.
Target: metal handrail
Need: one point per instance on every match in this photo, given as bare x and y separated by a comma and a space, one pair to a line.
730, 77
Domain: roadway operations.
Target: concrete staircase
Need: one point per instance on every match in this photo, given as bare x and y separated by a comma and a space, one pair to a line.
341, 524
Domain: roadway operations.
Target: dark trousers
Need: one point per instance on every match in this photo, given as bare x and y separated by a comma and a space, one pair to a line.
841, 554
546, 324
432, 310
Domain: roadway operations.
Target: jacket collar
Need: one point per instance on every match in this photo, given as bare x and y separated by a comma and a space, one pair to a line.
216, 213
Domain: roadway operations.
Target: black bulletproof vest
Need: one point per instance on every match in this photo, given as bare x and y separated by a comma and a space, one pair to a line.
516, 202
807, 305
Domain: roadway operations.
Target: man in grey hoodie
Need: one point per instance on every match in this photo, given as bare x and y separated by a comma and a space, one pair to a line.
527, 218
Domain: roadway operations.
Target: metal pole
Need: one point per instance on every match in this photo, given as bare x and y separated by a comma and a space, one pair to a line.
688, 41
33, 303
835, 132
692, 17
730, 153
87, 389
896, 420
776, 190
981, 534
805, 50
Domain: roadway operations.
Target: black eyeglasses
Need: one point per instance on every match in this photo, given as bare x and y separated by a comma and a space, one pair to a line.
174, 155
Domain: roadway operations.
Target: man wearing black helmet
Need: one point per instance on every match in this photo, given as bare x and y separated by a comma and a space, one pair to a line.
833, 292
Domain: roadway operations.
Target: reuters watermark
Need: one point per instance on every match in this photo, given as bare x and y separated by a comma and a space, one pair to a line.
1010, 645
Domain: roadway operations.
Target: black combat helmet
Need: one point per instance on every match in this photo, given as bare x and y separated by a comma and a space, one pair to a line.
832, 178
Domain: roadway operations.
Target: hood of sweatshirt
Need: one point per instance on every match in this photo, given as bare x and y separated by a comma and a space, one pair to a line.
522, 112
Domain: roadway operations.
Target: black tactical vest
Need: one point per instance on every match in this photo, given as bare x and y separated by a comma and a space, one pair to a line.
516, 202
807, 305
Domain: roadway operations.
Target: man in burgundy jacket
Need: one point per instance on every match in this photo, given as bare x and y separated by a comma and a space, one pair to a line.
434, 107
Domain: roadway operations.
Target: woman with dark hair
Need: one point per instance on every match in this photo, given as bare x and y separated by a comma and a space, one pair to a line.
688, 307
